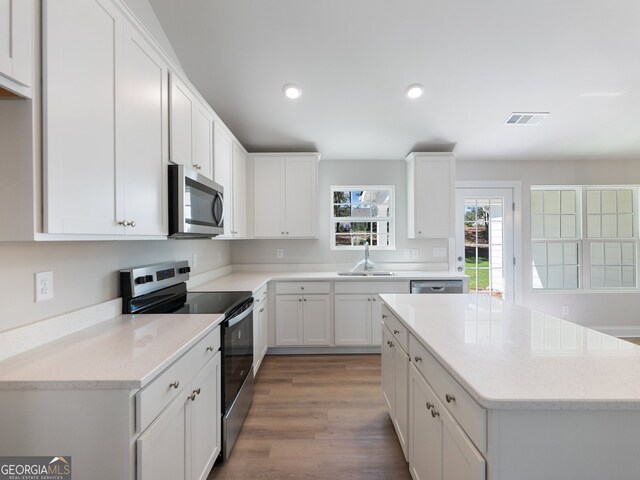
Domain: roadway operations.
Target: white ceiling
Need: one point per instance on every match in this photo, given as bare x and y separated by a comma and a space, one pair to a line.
478, 60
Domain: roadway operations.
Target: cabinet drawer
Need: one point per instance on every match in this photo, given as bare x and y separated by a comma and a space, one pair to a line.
155, 397
261, 294
399, 331
302, 287
372, 287
469, 414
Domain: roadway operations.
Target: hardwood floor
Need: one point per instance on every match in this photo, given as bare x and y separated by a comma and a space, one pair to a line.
317, 417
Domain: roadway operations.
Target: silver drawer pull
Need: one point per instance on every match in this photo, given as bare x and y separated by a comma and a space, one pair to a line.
395, 332
390, 343
192, 397
435, 413
430, 405
450, 398
384, 316
261, 310
209, 349
198, 391
175, 384
417, 358
301, 288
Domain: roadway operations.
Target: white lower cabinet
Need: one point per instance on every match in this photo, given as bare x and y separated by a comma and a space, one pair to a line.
439, 449
357, 320
395, 375
303, 320
185, 439
260, 328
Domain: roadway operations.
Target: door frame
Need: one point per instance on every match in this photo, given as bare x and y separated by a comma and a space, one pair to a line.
516, 187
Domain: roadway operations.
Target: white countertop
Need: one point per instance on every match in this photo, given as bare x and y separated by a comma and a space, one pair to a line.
253, 281
125, 352
509, 357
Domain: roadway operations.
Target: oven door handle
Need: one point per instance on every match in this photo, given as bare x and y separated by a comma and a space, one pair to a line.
235, 320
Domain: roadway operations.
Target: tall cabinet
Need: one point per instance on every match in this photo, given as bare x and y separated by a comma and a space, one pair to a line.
285, 195
431, 189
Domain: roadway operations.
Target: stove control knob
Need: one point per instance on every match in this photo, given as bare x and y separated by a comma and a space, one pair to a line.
148, 278
184, 270
141, 280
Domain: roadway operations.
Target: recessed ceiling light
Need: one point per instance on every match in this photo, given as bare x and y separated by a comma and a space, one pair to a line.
292, 91
414, 91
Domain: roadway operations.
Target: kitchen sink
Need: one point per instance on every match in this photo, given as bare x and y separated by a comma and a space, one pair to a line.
366, 274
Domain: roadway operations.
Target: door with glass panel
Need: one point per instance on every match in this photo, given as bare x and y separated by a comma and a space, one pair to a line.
484, 244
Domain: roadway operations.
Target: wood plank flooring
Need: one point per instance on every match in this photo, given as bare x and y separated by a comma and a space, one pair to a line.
317, 417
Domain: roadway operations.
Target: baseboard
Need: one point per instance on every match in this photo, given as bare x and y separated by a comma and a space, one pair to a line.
631, 331
322, 350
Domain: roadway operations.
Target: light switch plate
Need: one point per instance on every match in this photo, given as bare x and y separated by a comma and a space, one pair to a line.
44, 286
407, 253
414, 253
566, 310
280, 252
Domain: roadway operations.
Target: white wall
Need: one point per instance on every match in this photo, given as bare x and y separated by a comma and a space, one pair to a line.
592, 308
85, 273
319, 251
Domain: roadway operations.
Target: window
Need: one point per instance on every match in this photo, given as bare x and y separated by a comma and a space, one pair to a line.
362, 214
590, 230
555, 237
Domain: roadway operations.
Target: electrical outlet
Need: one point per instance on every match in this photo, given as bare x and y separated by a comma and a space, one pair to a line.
44, 286
565, 310
407, 253
414, 253
280, 252
194, 260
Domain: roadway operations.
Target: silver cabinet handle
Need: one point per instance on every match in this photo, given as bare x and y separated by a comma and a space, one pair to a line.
261, 310
192, 397
435, 413
390, 344
287, 233
396, 332
299, 299
132, 223
301, 288
417, 358
430, 405
373, 299
198, 391
209, 349
369, 299
305, 299
282, 233
124, 223
385, 316
175, 384
460, 259
419, 231
460, 269
450, 398
264, 294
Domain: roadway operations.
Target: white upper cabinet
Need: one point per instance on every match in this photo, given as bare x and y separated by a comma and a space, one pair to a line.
230, 171
182, 108
84, 40
285, 195
431, 188
191, 129
105, 144
17, 20
143, 129
203, 140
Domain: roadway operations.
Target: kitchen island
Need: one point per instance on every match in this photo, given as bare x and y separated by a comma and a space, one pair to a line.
486, 389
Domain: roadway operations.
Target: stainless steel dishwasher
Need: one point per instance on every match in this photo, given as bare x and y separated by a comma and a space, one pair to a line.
437, 286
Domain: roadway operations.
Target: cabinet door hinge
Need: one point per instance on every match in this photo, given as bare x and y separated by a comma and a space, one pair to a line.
514, 261
513, 207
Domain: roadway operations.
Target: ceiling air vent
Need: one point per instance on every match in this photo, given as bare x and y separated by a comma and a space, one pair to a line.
526, 118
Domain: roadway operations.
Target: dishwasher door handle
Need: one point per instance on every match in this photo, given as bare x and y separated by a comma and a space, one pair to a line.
437, 289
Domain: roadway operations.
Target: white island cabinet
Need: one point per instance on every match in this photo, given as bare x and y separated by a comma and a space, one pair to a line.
134, 398
499, 392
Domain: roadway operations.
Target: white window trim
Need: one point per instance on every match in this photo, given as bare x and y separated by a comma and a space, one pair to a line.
391, 217
584, 243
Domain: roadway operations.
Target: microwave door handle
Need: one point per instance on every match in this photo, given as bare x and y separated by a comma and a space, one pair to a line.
218, 200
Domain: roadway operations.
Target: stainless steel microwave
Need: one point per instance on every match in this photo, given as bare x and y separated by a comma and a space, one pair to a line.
196, 207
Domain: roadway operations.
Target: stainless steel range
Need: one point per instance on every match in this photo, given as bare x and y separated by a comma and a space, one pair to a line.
161, 288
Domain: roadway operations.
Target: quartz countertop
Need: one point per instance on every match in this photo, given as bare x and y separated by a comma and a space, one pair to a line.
253, 281
125, 352
509, 357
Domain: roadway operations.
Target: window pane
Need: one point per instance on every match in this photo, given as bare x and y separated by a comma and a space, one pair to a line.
342, 227
555, 277
613, 277
551, 201
568, 201
554, 254
625, 201
539, 253
628, 277
609, 229
343, 240
552, 226
597, 254
594, 229
537, 226
342, 197
612, 254
359, 240
608, 201
540, 277
570, 251
628, 256
568, 226
625, 226
593, 201
341, 211
571, 277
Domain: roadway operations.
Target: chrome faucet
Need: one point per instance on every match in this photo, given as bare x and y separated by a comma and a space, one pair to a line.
367, 267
